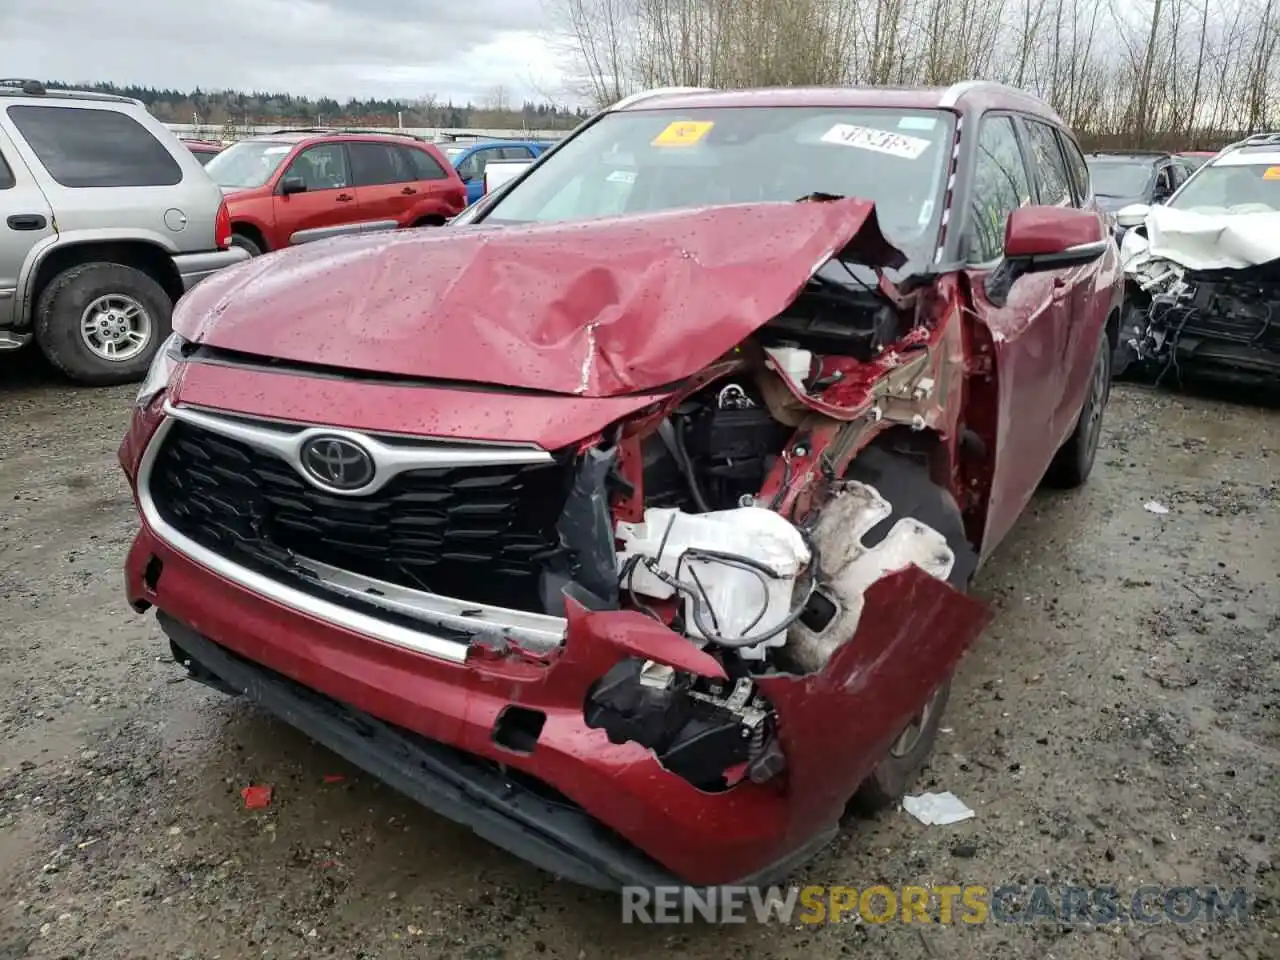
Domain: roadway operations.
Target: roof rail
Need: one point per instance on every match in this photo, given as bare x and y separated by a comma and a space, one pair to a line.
656, 92
1261, 140
302, 130
384, 131
17, 86
951, 96
1128, 153
464, 135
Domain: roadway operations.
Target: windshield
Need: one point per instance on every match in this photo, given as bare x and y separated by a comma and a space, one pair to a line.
1242, 181
1114, 178
249, 163
639, 161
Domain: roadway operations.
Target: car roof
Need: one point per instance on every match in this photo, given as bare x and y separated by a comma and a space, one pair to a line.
970, 96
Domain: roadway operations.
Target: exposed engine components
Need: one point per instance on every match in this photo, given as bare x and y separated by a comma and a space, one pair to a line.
716, 448
1229, 319
707, 732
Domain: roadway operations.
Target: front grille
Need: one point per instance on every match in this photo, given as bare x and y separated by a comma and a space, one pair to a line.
477, 533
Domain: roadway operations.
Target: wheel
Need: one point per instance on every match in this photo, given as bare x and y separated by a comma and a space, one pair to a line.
906, 484
244, 243
894, 774
1073, 462
1131, 328
101, 323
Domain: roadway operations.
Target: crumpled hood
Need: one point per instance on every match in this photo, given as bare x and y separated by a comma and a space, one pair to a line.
596, 308
1199, 240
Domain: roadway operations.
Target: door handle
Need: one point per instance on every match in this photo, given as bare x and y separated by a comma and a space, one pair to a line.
344, 198
408, 191
27, 221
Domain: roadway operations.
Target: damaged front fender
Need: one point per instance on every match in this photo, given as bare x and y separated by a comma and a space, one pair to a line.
836, 725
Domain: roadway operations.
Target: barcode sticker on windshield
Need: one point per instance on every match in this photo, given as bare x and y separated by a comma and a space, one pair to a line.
881, 141
683, 133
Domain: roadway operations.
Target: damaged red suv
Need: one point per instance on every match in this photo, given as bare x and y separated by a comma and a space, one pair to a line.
630, 521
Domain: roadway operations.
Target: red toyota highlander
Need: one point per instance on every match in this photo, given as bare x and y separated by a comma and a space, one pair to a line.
630, 521
292, 187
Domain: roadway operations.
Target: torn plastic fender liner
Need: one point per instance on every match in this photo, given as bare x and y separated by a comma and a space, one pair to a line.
837, 724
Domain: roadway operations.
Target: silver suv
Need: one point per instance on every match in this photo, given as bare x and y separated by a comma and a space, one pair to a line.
105, 220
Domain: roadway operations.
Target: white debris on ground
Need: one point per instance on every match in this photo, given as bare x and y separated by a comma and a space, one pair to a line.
1155, 506
937, 809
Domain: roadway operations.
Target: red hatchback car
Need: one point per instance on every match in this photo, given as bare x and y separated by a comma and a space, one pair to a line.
292, 187
630, 522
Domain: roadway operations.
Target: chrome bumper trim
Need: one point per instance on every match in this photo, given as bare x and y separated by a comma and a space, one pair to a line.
486, 625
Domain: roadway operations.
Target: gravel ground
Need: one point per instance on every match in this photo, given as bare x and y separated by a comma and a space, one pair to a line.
1117, 724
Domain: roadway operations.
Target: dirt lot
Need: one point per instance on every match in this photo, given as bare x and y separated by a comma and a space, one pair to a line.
1119, 723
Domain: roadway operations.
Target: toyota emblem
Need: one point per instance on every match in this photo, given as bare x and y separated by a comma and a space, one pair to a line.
337, 463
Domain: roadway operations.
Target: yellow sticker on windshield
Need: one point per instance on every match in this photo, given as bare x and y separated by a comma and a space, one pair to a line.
1271, 173
683, 133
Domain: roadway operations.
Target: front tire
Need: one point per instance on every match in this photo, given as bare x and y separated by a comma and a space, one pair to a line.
247, 244
101, 323
1074, 460
906, 484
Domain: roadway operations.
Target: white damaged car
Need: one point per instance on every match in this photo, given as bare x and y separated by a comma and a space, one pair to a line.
1203, 270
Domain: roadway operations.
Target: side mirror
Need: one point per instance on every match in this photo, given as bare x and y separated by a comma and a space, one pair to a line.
1045, 238
1134, 215
291, 185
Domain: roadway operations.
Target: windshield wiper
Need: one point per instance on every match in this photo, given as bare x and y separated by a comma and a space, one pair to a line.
819, 197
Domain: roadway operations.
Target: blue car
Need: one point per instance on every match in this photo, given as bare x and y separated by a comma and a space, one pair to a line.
470, 159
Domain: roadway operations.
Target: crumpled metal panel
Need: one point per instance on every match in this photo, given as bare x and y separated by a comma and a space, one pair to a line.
594, 308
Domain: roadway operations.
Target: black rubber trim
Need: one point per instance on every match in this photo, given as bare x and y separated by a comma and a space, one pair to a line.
557, 838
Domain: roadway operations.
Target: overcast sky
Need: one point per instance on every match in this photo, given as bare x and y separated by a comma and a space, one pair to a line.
338, 48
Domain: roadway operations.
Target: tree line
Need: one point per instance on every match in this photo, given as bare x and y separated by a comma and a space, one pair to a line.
234, 108
1173, 74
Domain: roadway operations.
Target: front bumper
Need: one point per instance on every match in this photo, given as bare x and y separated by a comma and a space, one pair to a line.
621, 817
620, 790
194, 267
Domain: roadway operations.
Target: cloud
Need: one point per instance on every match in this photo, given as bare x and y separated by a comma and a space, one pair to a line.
338, 48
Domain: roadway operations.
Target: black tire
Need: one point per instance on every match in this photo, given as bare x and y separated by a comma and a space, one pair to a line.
1132, 324
906, 484
61, 308
246, 243
1074, 460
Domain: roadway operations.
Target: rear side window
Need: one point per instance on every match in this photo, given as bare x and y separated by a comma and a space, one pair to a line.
95, 148
6, 175
1000, 186
514, 153
1051, 169
1079, 169
373, 164
424, 165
